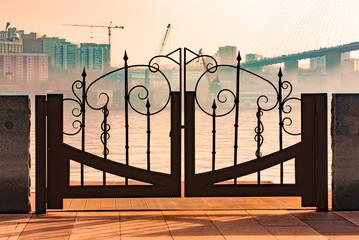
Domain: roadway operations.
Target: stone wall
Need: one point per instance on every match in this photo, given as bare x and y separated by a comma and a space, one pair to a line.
14, 154
345, 146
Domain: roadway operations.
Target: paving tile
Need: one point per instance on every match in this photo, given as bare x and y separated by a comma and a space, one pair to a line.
312, 215
213, 203
228, 203
292, 232
198, 203
206, 218
11, 225
244, 204
169, 204
272, 218
352, 216
191, 225
331, 228
238, 224
183, 204
143, 225
78, 204
93, 204
53, 225
138, 204
329, 224
66, 203
96, 225
290, 202
153, 204
273, 202
123, 204
108, 204
258, 203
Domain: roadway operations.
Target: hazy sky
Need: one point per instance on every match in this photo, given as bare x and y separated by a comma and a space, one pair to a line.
195, 24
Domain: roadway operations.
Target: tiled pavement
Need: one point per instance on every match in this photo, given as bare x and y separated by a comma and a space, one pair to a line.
182, 218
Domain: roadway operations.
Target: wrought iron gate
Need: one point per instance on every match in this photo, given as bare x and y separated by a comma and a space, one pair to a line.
53, 155
310, 153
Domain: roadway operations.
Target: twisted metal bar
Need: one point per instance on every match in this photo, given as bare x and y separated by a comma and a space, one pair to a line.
105, 127
259, 138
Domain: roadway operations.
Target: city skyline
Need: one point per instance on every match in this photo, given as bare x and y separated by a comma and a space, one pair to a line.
199, 24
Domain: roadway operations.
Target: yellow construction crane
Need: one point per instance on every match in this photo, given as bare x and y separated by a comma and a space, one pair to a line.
163, 42
204, 66
109, 27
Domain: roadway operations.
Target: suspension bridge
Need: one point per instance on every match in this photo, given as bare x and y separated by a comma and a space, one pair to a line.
308, 29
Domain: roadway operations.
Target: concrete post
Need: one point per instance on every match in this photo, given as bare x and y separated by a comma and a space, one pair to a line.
14, 154
291, 71
333, 69
345, 147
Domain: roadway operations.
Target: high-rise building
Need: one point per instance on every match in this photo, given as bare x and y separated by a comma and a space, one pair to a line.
227, 55
67, 56
11, 46
95, 56
33, 45
19, 68
32, 42
48, 47
36, 43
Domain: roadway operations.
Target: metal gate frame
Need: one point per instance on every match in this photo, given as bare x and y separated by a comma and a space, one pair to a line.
311, 160
311, 166
53, 155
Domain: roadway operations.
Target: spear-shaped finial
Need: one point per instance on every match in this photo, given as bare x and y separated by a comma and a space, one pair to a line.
280, 74
148, 105
125, 56
239, 56
84, 73
214, 106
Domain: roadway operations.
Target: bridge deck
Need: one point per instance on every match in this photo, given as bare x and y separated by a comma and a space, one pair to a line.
303, 55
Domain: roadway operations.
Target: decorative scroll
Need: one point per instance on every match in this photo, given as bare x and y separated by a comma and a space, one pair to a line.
103, 97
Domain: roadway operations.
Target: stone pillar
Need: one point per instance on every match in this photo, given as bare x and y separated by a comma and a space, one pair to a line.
345, 147
291, 71
332, 64
14, 154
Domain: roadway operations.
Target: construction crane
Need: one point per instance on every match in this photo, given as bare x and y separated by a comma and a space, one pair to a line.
214, 85
159, 51
109, 27
204, 66
163, 42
